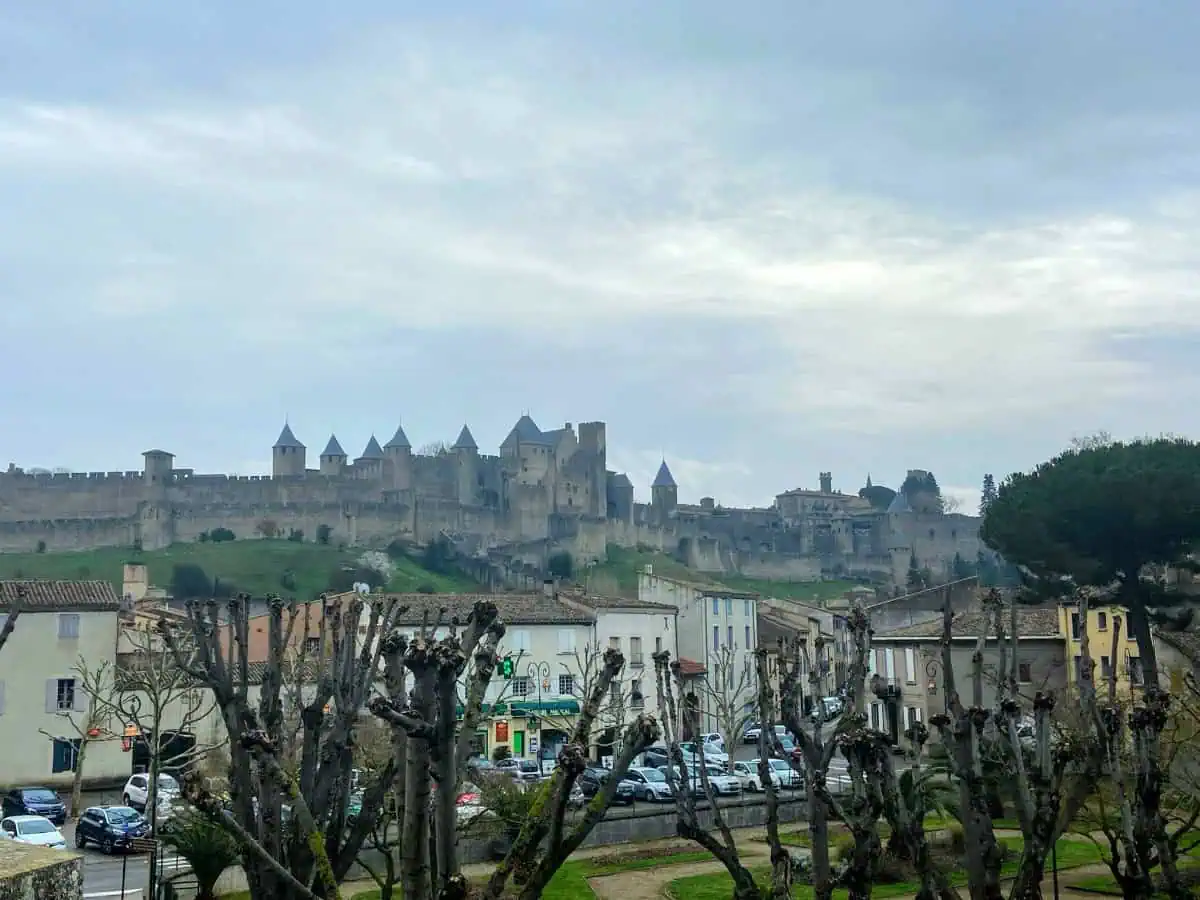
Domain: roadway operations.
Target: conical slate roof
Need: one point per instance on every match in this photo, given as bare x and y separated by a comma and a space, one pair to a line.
664, 478
372, 450
333, 448
287, 439
899, 504
466, 440
399, 440
525, 431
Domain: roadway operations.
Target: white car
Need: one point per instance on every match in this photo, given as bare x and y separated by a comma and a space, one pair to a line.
137, 789
714, 740
649, 785
721, 781
712, 755
788, 776
746, 771
36, 830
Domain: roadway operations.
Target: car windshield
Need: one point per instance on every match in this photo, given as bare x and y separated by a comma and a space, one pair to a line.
40, 795
529, 766
35, 826
778, 764
713, 772
480, 764
653, 775
122, 815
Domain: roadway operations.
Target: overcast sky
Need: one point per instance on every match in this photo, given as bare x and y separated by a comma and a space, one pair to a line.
764, 239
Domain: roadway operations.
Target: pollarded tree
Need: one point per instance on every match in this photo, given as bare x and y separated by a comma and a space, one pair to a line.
291, 821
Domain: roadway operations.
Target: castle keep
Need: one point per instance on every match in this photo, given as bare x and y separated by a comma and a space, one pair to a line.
545, 491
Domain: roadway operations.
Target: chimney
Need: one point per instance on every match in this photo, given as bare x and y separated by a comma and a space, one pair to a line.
648, 569
826, 482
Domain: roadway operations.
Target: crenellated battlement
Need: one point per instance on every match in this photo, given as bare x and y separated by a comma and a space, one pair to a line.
543, 489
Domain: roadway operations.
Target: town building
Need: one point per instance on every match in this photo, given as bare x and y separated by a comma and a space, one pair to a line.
1123, 661
554, 642
711, 619
62, 625
905, 665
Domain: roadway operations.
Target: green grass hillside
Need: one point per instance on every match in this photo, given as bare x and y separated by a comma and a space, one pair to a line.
623, 566
255, 566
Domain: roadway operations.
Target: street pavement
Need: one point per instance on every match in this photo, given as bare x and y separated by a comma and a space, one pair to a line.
102, 874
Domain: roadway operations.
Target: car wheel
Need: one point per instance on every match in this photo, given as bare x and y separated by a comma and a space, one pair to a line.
127, 800
106, 846
80, 840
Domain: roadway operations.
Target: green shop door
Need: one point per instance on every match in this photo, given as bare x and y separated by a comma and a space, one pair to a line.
518, 743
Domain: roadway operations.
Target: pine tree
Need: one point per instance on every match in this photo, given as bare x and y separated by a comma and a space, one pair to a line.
916, 581
988, 494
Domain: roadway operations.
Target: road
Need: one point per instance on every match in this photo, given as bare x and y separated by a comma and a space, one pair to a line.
103, 873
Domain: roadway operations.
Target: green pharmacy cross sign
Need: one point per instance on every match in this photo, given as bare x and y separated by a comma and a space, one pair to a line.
506, 667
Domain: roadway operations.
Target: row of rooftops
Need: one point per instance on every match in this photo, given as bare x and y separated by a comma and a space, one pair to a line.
564, 607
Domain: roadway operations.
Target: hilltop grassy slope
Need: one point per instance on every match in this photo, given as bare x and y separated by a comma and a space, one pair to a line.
254, 566
623, 566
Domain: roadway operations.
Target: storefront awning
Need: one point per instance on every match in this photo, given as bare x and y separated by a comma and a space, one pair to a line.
527, 707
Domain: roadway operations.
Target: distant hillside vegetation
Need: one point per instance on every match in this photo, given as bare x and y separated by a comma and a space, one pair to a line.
258, 567
619, 573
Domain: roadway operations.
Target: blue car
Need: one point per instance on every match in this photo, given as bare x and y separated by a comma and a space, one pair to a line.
35, 801
111, 828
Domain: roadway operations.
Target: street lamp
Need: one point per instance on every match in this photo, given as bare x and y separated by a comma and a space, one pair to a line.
539, 673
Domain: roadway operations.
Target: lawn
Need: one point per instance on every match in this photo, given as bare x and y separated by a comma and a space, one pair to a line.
254, 566
571, 881
1071, 854
624, 565
802, 838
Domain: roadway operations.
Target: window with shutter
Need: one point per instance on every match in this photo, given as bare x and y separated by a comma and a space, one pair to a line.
68, 626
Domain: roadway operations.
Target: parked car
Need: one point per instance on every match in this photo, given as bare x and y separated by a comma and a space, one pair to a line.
34, 801
714, 740
649, 784
654, 757
137, 790
790, 750
723, 784
520, 769
693, 780
712, 755
789, 777
36, 830
478, 765
594, 777
826, 708
111, 828
751, 733
746, 771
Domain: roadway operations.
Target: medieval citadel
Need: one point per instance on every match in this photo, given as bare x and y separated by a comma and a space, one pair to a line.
544, 492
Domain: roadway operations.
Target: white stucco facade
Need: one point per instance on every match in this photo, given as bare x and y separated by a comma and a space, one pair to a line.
709, 619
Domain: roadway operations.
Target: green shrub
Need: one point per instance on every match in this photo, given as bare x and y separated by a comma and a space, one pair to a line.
840, 847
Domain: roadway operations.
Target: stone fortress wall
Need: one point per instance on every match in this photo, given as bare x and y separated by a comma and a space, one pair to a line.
544, 491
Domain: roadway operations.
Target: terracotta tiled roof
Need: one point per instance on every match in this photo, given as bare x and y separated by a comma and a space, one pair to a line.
515, 609
598, 602
690, 668
61, 596
123, 677
1032, 621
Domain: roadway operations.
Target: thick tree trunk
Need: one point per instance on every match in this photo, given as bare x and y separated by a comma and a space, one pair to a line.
446, 774
864, 860
818, 834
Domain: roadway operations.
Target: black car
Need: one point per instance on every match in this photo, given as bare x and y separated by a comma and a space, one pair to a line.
35, 801
111, 828
594, 776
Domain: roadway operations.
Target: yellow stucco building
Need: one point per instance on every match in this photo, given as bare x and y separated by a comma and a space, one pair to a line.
1101, 624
